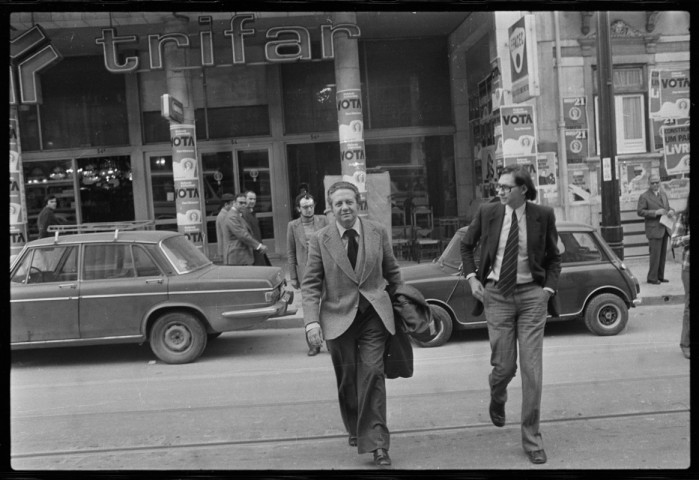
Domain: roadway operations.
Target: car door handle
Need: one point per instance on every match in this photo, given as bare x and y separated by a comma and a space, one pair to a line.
154, 280
68, 285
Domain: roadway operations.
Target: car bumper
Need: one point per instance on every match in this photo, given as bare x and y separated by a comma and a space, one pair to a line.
277, 309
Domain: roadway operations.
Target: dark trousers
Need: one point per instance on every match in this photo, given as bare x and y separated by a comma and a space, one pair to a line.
518, 321
656, 262
357, 357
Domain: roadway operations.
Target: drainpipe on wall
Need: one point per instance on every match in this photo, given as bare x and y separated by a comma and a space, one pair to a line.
562, 158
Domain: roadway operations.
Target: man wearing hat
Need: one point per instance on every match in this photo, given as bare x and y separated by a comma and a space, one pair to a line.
221, 245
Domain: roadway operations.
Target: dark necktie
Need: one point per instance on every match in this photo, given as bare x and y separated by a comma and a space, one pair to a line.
352, 246
508, 269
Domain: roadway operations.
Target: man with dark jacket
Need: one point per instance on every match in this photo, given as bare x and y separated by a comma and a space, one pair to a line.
516, 281
652, 205
47, 217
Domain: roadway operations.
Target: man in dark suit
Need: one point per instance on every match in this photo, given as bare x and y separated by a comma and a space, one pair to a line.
516, 281
653, 204
345, 301
261, 259
241, 245
297, 234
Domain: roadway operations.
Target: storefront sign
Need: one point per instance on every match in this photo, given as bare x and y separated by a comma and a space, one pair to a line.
349, 115
676, 149
518, 130
576, 145
171, 108
524, 67
669, 93
190, 218
575, 112
286, 44
18, 207
30, 54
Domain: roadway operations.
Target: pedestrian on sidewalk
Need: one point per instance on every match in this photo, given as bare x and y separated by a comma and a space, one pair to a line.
345, 300
515, 283
652, 205
221, 243
680, 238
261, 258
297, 234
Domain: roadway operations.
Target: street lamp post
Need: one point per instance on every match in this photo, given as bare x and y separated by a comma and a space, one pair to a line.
610, 227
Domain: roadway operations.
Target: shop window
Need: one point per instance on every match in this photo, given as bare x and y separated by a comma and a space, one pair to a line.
308, 165
406, 83
51, 177
29, 138
84, 105
228, 122
106, 190
309, 97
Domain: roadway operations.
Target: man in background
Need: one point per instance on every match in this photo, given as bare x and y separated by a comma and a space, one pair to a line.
47, 216
250, 217
221, 244
297, 234
238, 235
652, 205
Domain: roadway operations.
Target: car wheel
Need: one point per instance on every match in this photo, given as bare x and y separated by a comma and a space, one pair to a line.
178, 337
443, 324
606, 314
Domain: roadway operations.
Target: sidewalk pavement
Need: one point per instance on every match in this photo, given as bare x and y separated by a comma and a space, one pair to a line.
671, 292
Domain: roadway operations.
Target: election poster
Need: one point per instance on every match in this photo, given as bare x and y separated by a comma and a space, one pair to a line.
351, 133
576, 145
575, 112
518, 130
676, 149
669, 93
190, 216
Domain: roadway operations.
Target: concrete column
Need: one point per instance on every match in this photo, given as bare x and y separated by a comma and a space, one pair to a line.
349, 107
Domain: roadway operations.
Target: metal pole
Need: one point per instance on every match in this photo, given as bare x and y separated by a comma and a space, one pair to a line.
562, 156
611, 219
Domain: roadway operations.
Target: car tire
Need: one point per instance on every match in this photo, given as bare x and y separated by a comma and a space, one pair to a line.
443, 324
606, 314
178, 337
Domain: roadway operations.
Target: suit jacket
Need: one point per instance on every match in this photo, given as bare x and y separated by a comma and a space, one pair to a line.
297, 245
254, 224
221, 245
648, 203
330, 288
238, 234
542, 246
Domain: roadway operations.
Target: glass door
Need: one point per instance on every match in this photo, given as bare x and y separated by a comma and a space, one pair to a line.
253, 174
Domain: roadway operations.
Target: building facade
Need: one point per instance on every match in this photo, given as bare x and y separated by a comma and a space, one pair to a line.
261, 91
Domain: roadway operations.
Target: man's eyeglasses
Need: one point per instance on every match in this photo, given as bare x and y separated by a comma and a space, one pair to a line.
654, 183
505, 188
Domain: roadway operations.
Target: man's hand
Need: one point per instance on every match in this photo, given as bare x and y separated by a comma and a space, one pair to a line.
262, 248
295, 284
315, 335
476, 288
660, 211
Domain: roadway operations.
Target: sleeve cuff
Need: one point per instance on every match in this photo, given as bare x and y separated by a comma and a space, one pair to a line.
312, 325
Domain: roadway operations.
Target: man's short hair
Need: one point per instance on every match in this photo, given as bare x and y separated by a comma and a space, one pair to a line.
241, 195
522, 177
49, 198
304, 196
342, 185
249, 191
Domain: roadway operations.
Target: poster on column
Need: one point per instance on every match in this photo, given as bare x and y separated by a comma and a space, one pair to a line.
658, 124
669, 94
353, 163
547, 170
518, 130
676, 149
575, 112
186, 176
18, 220
579, 190
576, 145
349, 115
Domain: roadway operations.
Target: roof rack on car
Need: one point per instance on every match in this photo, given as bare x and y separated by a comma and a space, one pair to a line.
102, 227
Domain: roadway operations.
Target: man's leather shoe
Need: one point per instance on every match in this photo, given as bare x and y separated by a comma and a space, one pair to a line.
313, 351
352, 441
381, 458
664, 280
537, 456
497, 413
654, 282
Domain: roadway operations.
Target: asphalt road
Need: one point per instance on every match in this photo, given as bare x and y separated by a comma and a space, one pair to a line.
255, 401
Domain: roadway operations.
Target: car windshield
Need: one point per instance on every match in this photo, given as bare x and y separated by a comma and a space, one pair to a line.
451, 257
183, 254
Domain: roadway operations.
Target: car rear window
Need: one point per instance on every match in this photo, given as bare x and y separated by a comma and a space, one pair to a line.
183, 254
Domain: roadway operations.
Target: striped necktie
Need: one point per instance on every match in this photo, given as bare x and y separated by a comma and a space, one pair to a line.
508, 269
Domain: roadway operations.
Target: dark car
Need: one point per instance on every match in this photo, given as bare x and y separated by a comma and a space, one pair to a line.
594, 285
135, 287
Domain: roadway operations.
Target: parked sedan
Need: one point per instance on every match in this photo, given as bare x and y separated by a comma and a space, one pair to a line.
594, 285
135, 287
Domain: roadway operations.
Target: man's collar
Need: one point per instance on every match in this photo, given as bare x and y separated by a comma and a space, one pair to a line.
357, 227
519, 210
